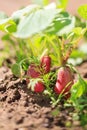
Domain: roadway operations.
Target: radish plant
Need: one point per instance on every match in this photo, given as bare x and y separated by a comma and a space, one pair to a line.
44, 38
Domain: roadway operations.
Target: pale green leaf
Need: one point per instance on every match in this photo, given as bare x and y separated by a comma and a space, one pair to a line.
23, 12
36, 22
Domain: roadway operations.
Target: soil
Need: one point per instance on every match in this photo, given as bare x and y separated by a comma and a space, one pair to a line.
22, 110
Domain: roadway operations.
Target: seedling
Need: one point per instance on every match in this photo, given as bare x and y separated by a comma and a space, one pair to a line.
44, 39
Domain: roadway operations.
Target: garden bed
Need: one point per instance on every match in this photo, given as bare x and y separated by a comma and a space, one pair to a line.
22, 110
41, 86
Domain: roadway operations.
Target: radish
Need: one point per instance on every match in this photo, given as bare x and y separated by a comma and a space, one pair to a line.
46, 63
33, 71
39, 87
64, 80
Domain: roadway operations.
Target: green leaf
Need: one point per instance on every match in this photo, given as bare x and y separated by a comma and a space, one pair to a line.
61, 23
82, 10
70, 24
7, 25
17, 70
36, 22
11, 28
78, 89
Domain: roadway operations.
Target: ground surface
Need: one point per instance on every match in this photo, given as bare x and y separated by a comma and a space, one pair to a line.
22, 110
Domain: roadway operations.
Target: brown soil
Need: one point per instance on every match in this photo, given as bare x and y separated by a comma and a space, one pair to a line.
22, 110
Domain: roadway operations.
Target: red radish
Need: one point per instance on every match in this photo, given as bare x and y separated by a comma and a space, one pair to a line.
33, 71
64, 80
39, 87
46, 63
